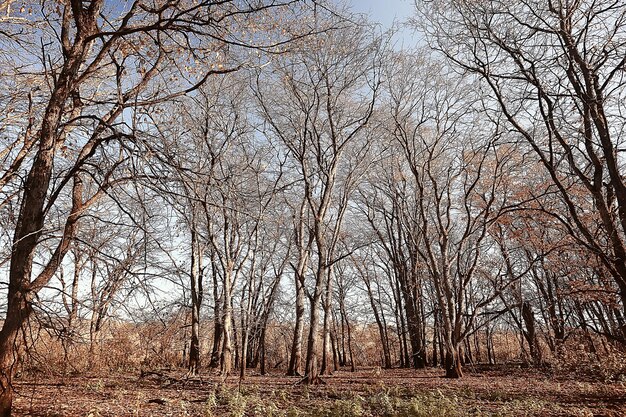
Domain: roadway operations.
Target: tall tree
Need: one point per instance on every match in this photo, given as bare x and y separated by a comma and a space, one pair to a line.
328, 89
140, 53
457, 173
555, 71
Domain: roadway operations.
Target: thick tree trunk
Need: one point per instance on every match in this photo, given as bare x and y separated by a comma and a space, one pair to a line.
415, 336
453, 363
25, 241
218, 332
17, 314
530, 334
194, 347
21, 290
413, 320
312, 373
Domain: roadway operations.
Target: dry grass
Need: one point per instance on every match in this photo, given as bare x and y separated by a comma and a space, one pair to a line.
510, 392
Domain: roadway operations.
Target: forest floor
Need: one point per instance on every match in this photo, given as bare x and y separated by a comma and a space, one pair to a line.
398, 392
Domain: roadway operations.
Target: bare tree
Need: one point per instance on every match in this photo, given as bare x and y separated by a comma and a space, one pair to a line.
327, 99
554, 70
76, 48
452, 164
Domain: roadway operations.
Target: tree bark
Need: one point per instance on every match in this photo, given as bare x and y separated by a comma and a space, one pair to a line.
312, 372
325, 369
196, 303
453, 363
295, 361
227, 327
218, 330
530, 334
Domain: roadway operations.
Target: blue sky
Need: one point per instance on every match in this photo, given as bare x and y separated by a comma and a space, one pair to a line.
384, 11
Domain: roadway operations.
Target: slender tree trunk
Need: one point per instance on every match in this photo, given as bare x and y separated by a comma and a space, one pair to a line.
341, 343
262, 351
325, 369
235, 341
404, 348
295, 361
218, 330
477, 348
491, 357
468, 356
334, 345
244, 354
352, 364
435, 337
196, 303
227, 326
382, 331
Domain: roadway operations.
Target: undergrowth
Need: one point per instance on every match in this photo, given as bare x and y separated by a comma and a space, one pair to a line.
232, 402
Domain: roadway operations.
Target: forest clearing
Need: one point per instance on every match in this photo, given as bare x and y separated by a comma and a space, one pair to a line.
507, 391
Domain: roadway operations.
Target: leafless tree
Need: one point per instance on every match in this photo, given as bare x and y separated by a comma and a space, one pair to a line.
453, 166
95, 64
323, 96
555, 71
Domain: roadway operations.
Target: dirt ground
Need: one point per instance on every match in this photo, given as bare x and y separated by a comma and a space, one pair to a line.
398, 392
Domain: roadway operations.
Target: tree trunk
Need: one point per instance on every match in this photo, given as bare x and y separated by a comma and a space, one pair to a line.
312, 374
491, 357
235, 341
453, 363
435, 337
295, 361
325, 369
218, 330
352, 365
412, 319
244, 354
262, 351
227, 327
17, 314
530, 333
382, 331
196, 303
21, 290
334, 347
